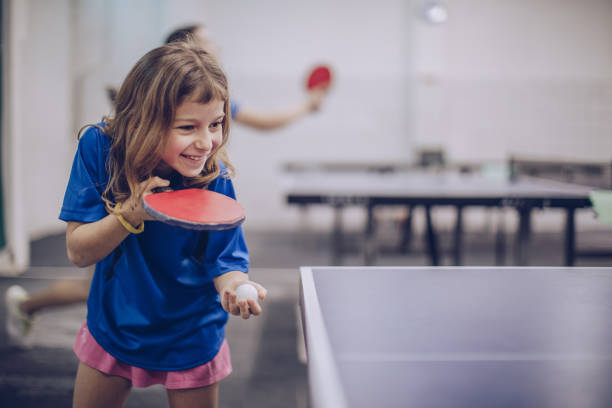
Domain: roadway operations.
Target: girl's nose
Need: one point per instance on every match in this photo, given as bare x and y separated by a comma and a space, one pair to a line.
204, 141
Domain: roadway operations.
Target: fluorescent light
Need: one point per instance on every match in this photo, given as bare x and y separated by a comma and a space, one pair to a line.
435, 12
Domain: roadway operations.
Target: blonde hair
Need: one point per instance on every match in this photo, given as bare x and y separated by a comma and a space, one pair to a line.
145, 109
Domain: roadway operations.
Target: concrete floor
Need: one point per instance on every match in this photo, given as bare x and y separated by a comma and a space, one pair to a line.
267, 372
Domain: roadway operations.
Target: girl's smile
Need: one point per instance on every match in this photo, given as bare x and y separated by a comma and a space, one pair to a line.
196, 162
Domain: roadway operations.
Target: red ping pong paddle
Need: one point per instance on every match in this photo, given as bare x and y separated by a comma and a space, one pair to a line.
319, 77
195, 208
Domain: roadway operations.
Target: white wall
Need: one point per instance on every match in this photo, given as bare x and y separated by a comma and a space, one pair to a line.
500, 77
523, 77
46, 117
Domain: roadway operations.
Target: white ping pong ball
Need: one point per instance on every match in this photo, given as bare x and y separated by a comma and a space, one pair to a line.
246, 291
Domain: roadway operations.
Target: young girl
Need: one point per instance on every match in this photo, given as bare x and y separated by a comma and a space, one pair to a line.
160, 294
22, 307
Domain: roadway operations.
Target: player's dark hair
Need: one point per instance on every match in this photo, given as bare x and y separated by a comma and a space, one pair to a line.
184, 33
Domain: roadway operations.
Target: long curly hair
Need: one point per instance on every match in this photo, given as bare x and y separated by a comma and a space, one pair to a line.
145, 109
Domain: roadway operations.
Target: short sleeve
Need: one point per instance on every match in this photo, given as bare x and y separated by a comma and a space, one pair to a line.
88, 178
225, 250
234, 108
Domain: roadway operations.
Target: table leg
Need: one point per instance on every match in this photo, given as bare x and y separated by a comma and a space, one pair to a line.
458, 245
570, 237
369, 245
432, 244
500, 240
406, 231
523, 237
337, 244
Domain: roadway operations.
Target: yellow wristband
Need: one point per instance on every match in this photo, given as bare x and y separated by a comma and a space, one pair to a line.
126, 224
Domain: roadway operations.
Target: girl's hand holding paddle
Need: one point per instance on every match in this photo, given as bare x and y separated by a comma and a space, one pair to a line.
131, 209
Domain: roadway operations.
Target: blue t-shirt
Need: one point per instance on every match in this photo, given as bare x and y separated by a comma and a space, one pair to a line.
152, 302
234, 108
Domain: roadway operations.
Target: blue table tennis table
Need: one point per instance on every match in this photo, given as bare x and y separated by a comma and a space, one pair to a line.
371, 190
458, 336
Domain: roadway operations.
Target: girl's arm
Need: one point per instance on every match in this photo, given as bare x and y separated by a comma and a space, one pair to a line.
88, 243
226, 285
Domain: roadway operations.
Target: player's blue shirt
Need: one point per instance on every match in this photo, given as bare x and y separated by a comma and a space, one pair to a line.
152, 302
234, 108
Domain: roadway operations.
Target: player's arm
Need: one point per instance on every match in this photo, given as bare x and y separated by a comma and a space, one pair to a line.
88, 243
278, 119
227, 283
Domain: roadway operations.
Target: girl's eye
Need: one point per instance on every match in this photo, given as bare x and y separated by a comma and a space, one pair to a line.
187, 127
216, 125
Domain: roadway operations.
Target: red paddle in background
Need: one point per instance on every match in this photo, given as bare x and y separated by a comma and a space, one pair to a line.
195, 208
319, 77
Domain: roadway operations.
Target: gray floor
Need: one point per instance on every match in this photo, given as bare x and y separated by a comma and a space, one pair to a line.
267, 372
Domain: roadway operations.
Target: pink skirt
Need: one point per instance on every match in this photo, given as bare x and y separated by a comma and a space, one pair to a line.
91, 353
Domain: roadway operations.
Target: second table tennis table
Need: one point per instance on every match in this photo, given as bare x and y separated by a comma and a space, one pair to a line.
432, 189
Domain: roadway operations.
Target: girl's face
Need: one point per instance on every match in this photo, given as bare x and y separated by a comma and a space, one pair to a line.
196, 132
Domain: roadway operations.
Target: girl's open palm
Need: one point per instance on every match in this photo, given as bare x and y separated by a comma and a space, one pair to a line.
242, 307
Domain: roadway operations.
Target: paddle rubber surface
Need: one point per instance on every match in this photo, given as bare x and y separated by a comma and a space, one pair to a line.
319, 77
195, 209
